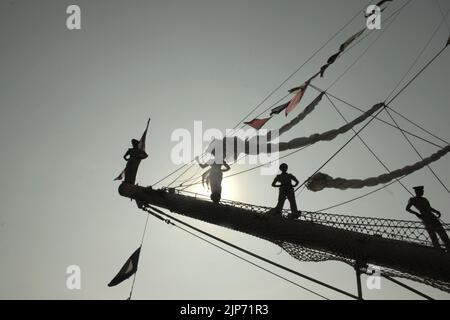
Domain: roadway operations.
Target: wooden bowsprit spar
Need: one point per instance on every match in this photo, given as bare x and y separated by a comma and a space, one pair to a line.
406, 257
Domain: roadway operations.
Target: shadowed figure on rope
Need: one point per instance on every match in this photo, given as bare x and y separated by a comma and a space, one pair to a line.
213, 177
133, 156
283, 181
430, 220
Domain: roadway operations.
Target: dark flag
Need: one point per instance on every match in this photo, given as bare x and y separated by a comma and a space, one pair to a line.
333, 58
350, 40
257, 123
379, 4
128, 269
277, 110
322, 69
342, 48
144, 137
448, 41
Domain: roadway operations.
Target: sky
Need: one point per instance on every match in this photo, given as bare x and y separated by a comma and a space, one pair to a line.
71, 100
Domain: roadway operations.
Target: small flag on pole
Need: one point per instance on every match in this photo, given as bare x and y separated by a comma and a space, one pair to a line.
297, 98
257, 123
128, 269
141, 144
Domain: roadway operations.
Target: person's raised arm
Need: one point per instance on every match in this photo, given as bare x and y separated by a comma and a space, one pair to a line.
127, 154
202, 165
226, 165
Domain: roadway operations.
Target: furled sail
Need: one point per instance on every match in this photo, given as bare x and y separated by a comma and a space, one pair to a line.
233, 146
321, 181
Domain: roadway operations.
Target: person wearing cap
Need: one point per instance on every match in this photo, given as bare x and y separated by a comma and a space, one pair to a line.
429, 216
133, 157
283, 181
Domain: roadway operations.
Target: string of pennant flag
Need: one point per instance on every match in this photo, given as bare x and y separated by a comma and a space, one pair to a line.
299, 91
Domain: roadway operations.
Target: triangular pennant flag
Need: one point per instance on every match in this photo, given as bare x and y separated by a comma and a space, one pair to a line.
296, 89
296, 100
448, 41
333, 58
257, 123
307, 82
323, 68
128, 269
278, 109
350, 40
141, 144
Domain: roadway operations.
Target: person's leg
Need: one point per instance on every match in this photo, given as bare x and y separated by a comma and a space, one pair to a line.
444, 237
281, 200
433, 236
219, 193
291, 198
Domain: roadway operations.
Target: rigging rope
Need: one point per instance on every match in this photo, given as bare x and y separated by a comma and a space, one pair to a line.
254, 254
359, 197
385, 104
394, 15
419, 55
142, 242
301, 66
236, 255
367, 146
383, 121
418, 126
418, 153
401, 80
442, 12
279, 86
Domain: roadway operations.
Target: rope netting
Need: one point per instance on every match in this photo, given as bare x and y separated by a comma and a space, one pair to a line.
402, 230
311, 255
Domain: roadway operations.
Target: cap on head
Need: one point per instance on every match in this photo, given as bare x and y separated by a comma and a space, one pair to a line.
418, 190
283, 167
134, 143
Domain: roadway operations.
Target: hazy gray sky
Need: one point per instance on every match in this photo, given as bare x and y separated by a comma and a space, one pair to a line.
71, 100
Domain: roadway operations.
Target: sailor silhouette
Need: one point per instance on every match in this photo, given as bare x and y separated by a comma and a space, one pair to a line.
429, 216
283, 181
213, 177
133, 156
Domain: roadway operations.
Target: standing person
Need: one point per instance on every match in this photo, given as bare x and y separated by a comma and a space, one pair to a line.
283, 181
133, 157
430, 218
213, 177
